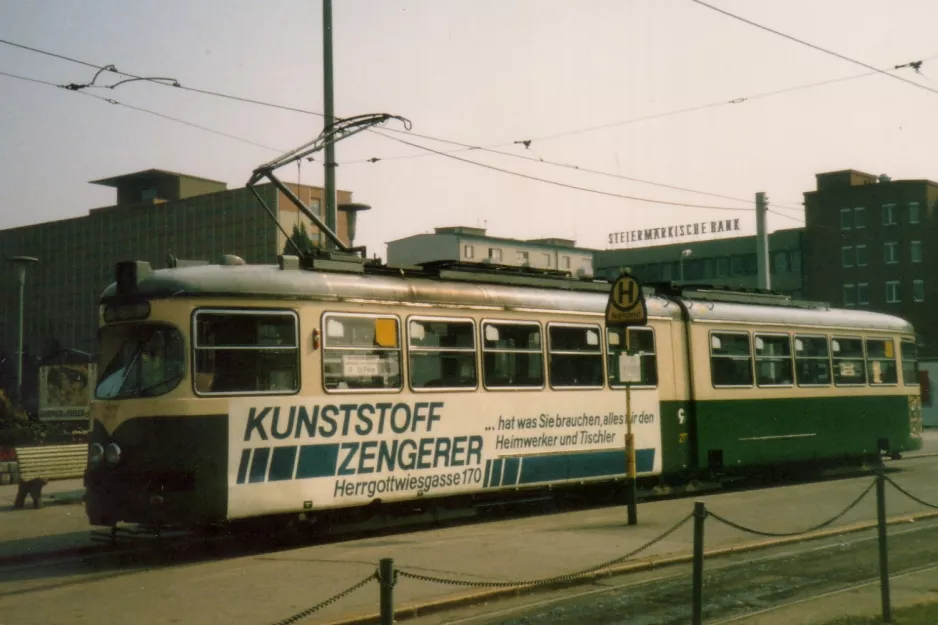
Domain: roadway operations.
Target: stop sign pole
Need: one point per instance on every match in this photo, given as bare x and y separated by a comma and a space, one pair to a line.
626, 308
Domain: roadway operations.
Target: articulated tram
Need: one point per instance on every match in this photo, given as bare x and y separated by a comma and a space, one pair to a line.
235, 391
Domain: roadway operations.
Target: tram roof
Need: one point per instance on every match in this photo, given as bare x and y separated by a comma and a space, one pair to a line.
270, 281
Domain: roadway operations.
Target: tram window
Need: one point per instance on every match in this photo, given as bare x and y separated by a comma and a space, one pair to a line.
849, 366
909, 364
361, 352
511, 355
239, 351
642, 343
812, 361
773, 360
730, 359
139, 360
575, 356
442, 353
881, 361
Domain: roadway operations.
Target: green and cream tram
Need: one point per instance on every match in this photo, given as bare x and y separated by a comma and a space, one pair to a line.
234, 391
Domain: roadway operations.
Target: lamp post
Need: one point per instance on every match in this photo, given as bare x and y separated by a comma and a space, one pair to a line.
20, 263
684, 254
351, 210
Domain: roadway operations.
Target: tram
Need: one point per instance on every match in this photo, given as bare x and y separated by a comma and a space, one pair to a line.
232, 391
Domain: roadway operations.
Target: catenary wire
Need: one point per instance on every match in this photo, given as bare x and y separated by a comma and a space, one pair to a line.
815, 47
149, 112
462, 146
161, 81
783, 215
561, 184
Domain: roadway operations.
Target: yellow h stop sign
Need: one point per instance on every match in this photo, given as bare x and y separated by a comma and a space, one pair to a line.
626, 306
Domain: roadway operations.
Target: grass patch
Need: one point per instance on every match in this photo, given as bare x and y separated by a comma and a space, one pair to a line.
921, 614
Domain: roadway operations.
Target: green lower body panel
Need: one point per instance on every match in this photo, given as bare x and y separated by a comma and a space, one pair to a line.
172, 471
742, 433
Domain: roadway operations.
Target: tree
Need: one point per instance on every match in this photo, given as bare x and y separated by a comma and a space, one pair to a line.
302, 240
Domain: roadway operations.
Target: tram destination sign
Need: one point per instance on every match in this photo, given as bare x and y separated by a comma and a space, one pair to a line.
626, 305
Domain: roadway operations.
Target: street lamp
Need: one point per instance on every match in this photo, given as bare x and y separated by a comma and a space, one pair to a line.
20, 263
351, 210
684, 254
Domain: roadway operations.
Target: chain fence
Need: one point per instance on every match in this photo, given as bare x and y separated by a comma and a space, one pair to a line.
546, 580
908, 494
813, 528
387, 575
299, 616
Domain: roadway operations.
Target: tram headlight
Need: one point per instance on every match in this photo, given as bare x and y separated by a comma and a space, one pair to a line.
95, 454
112, 454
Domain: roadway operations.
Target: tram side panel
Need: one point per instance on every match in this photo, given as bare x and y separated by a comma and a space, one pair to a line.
677, 409
770, 410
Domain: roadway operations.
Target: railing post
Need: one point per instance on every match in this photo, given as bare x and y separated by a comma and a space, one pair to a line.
700, 514
386, 579
883, 551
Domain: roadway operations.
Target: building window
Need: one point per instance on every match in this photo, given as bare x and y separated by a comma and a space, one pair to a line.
495, 253
723, 267
863, 294
547, 261
891, 249
918, 290
782, 262
846, 256
913, 212
861, 256
850, 295
892, 292
468, 252
859, 217
522, 258
889, 214
846, 219
915, 249
566, 262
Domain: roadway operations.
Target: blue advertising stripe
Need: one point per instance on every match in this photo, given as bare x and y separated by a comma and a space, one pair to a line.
281, 465
317, 461
511, 471
243, 466
488, 474
582, 465
496, 473
259, 465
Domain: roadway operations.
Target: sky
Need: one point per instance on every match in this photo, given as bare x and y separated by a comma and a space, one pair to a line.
637, 91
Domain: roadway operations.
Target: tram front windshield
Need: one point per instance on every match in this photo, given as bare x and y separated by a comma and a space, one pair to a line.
139, 360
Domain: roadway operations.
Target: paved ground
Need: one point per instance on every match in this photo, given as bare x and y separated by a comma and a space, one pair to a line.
265, 587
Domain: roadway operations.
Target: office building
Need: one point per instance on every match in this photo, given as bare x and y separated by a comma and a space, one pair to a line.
462, 243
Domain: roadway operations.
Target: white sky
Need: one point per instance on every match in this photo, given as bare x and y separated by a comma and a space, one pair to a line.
481, 72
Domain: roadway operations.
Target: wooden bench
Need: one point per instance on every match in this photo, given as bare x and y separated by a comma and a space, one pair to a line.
42, 464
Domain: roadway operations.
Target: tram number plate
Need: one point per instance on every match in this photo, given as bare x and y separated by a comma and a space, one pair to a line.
360, 366
630, 368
